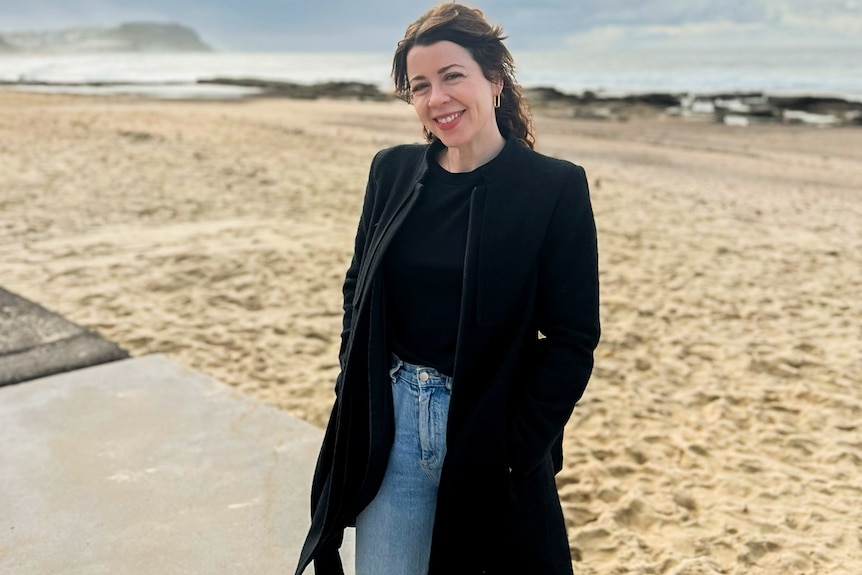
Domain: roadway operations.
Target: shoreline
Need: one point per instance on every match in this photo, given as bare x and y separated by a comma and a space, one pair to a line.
742, 108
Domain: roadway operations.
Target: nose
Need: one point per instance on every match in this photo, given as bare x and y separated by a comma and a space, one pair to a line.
438, 96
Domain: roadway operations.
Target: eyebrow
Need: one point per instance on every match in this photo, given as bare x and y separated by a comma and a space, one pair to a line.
440, 71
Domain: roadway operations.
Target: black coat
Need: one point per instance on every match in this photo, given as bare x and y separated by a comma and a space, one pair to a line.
530, 267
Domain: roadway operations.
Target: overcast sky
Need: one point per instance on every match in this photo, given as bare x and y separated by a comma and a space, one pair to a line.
375, 25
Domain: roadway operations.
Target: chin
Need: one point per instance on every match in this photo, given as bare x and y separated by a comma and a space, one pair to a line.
447, 140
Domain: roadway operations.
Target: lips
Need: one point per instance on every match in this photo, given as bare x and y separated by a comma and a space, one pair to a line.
449, 121
449, 118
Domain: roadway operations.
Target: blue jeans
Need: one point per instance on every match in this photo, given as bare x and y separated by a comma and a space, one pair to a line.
393, 534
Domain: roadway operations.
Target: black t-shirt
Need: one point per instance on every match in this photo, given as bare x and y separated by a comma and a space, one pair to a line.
424, 271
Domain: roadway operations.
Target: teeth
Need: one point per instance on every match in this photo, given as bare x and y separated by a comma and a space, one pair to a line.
448, 119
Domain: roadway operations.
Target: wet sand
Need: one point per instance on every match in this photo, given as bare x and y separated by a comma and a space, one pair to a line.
722, 430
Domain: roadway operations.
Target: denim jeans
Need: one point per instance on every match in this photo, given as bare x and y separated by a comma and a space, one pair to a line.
393, 534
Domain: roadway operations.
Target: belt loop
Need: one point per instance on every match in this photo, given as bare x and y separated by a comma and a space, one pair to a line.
396, 365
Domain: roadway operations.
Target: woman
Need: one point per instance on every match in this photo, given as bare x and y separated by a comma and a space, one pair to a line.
446, 432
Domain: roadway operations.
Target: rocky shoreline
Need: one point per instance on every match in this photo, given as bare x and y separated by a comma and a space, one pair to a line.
733, 109
737, 109
333, 90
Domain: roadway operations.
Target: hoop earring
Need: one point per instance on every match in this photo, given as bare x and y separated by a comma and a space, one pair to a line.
497, 100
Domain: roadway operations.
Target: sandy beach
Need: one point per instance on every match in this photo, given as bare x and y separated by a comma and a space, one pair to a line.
722, 430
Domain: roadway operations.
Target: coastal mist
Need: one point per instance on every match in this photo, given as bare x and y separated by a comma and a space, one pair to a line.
796, 71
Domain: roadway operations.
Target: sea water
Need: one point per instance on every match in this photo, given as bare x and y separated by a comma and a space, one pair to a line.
798, 71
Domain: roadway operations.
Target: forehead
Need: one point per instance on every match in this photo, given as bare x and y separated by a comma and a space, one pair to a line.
427, 60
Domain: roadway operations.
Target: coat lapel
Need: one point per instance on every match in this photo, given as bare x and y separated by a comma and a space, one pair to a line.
511, 226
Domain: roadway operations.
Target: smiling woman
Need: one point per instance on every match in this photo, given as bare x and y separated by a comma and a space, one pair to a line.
470, 319
455, 103
484, 48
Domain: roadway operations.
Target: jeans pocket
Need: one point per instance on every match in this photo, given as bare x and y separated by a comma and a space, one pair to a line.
433, 414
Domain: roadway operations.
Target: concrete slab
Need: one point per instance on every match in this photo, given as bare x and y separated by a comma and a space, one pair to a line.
143, 466
35, 342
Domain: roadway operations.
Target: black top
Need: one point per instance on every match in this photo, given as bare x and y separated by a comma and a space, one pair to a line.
424, 270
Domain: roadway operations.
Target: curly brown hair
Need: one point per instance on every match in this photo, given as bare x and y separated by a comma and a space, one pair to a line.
468, 28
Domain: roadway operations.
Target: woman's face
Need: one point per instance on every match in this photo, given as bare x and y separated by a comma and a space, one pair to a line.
452, 97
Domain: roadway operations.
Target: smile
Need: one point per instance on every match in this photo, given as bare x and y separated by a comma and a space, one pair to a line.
449, 118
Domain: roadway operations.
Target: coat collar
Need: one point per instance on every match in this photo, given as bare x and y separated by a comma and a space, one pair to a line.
497, 171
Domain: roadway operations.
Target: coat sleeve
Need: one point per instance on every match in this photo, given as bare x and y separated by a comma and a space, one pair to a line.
348, 289
567, 315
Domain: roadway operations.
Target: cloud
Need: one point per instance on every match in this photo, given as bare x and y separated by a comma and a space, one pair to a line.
784, 30
531, 24
52, 14
691, 36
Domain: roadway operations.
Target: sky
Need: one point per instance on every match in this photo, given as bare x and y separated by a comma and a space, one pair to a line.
377, 25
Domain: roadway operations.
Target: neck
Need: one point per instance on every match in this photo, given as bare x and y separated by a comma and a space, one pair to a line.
461, 159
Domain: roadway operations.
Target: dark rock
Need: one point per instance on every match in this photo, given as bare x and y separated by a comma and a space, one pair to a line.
544, 95
337, 90
814, 104
592, 106
655, 100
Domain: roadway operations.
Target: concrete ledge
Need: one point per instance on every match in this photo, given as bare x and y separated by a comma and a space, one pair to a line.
143, 466
35, 342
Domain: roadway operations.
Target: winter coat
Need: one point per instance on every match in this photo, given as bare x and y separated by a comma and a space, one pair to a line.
530, 268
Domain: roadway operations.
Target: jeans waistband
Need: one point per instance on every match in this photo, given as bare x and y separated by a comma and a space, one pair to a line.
419, 374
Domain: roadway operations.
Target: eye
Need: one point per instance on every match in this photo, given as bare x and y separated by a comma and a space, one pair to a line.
453, 76
422, 86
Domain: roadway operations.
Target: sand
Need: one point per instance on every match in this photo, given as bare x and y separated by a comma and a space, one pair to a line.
722, 430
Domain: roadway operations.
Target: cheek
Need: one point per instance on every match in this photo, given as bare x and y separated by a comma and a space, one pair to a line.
422, 115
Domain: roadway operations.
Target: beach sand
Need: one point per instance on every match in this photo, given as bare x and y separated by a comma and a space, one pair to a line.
721, 432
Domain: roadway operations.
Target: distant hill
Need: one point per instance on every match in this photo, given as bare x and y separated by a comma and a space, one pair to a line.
129, 37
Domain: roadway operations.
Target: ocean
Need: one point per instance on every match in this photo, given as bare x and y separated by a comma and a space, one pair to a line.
798, 71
